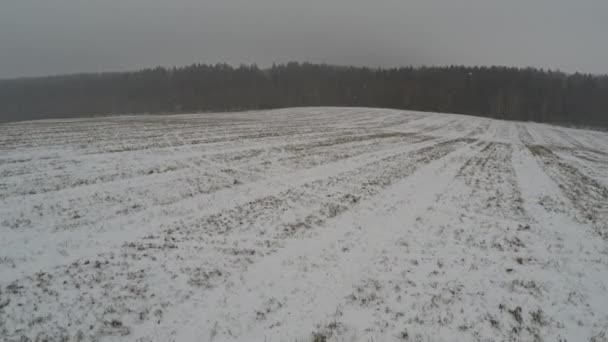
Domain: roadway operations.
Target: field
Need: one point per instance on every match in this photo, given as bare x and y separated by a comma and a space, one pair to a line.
304, 224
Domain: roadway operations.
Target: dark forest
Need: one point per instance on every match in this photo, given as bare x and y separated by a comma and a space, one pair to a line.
497, 92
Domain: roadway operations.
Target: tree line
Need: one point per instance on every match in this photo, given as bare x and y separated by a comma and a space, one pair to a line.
499, 92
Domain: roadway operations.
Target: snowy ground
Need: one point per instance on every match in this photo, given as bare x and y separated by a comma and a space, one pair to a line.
314, 224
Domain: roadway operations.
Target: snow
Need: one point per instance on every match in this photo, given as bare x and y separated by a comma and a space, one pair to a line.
302, 224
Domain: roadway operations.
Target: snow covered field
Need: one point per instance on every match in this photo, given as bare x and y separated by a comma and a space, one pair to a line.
305, 224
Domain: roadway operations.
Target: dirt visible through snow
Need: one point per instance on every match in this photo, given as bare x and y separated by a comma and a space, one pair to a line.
302, 224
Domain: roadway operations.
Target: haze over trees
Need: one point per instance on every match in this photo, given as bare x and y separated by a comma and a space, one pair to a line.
498, 92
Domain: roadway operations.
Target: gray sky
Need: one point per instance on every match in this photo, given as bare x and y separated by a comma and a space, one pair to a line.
41, 37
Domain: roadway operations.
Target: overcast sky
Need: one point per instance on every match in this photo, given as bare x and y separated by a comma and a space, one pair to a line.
42, 37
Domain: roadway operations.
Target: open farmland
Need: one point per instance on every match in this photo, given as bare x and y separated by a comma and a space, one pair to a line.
302, 224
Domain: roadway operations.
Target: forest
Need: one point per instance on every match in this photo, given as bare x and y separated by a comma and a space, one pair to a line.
525, 94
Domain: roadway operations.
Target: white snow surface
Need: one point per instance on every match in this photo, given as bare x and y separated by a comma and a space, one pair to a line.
302, 224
